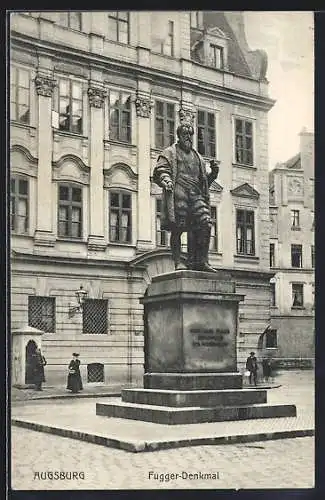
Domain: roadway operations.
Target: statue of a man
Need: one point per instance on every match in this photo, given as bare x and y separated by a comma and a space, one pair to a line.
181, 172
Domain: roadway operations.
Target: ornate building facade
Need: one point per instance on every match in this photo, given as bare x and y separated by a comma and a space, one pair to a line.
94, 97
292, 255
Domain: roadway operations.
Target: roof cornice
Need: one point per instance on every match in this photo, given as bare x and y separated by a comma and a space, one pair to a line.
131, 68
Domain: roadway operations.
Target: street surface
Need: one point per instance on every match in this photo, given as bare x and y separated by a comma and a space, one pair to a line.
287, 463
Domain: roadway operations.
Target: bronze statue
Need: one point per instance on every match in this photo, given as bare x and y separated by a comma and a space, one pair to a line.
181, 172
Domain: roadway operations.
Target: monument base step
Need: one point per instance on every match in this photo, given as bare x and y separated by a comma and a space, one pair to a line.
192, 415
207, 398
193, 381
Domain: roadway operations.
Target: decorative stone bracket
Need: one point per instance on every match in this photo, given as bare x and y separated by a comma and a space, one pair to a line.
143, 106
186, 116
45, 85
96, 96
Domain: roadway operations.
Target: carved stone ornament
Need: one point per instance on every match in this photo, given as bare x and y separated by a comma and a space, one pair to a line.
186, 116
44, 85
96, 96
295, 187
143, 106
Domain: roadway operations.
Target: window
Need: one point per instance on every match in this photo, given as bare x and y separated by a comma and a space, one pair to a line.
119, 116
245, 232
273, 296
272, 255
161, 235
206, 134
216, 56
167, 46
297, 295
312, 256
244, 142
70, 211
70, 106
295, 219
70, 20
19, 205
118, 26
195, 19
19, 95
271, 341
120, 217
94, 316
165, 124
41, 313
214, 233
296, 255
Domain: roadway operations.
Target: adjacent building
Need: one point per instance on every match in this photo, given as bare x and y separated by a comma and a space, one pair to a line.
94, 98
292, 256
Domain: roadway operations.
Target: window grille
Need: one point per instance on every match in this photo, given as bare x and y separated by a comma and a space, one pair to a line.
94, 316
41, 313
95, 372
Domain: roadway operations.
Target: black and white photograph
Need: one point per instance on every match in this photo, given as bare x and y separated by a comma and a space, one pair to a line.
162, 256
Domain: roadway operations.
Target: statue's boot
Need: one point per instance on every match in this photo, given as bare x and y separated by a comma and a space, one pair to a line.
203, 254
175, 244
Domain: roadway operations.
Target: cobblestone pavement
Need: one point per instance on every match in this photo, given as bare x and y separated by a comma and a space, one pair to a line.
287, 463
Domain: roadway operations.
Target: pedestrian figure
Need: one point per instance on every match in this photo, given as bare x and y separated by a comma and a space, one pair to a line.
74, 383
38, 362
267, 369
251, 366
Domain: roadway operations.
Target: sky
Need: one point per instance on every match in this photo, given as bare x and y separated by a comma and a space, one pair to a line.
288, 39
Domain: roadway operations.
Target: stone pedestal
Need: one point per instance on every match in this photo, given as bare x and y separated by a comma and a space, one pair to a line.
20, 340
191, 375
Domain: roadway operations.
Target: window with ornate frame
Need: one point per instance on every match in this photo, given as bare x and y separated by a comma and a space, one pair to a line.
119, 26
120, 217
245, 231
20, 95
70, 105
69, 211
244, 154
164, 124
19, 200
206, 133
119, 116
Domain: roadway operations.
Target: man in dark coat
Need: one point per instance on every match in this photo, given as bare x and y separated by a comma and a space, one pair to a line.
251, 366
181, 172
74, 383
39, 362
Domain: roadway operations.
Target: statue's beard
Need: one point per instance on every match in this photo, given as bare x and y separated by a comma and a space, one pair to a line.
186, 146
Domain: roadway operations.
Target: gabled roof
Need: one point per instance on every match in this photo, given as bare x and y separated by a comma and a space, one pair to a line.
215, 187
294, 162
245, 191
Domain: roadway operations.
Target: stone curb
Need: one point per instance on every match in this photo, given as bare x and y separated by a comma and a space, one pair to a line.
105, 394
142, 446
69, 396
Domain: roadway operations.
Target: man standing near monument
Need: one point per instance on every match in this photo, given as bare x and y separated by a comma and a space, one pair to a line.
181, 172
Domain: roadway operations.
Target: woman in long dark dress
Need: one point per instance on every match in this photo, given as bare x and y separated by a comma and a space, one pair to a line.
74, 383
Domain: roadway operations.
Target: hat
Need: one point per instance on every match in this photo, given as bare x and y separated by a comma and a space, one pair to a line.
252, 353
75, 354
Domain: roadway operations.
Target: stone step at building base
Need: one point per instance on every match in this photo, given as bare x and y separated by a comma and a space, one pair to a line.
193, 381
192, 415
205, 398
